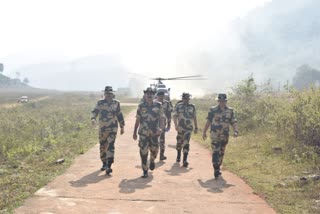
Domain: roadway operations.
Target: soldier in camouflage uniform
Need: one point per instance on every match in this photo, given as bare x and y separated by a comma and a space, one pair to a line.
167, 98
167, 121
109, 112
184, 116
149, 120
219, 118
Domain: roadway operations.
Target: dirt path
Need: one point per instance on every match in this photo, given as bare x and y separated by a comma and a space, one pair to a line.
12, 105
170, 188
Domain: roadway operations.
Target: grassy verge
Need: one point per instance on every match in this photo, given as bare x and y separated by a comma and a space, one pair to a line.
34, 136
9, 96
275, 175
277, 170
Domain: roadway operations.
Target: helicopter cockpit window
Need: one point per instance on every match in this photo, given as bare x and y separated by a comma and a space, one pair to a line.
161, 86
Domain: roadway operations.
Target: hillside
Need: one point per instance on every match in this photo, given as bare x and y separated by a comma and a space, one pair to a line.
90, 73
6, 82
280, 37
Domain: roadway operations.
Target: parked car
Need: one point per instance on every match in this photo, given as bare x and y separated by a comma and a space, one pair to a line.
23, 99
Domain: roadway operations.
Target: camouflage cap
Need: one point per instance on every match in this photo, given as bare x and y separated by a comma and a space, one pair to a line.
108, 89
186, 95
222, 97
149, 90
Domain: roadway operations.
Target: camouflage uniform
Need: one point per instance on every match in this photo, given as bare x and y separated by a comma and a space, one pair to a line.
167, 121
149, 117
109, 116
220, 120
185, 114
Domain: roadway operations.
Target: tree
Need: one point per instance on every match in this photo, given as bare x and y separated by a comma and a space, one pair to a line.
305, 77
26, 80
1, 67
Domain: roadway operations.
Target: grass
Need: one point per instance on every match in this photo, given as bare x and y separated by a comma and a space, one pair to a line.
33, 136
274, 175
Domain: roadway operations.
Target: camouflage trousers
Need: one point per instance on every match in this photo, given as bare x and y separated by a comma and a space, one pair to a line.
218, 149
146, 144
183, 139
107, 140
162, 140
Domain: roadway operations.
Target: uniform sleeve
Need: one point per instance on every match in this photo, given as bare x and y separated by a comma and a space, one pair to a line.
120, 117
138, 115
95, 112
210, 116
233, 118
168, 112
161, 111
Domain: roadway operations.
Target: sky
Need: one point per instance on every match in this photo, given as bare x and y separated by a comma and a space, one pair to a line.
145, 34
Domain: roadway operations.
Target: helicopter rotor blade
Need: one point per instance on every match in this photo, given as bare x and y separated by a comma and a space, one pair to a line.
193, 79
184, 77
177, 78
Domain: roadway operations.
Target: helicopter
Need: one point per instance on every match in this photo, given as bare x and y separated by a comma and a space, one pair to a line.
161, 87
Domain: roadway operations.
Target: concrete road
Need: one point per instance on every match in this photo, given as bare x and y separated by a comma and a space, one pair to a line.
170, 188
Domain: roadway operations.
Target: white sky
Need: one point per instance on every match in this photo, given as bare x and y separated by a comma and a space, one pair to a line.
141, 32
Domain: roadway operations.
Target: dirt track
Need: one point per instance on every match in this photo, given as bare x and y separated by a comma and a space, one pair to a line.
12, 105
170, 188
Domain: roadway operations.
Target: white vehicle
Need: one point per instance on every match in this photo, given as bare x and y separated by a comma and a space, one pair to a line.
23, 99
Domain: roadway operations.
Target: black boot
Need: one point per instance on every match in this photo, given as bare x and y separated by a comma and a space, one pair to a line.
108, 169
178, 155
151, 165
104, 166
185, 157
162, 157
145, 174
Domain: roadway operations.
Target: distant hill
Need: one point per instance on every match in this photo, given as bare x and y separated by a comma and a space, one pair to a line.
7, 82
90, 73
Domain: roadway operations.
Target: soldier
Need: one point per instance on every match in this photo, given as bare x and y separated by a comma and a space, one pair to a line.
167, 121
109, 112
184, 116
167, 97
149, 120
220, 117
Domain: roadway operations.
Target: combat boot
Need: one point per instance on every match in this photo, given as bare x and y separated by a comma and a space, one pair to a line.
104, 166
185, 157
151, 165
145, 174
178, 155
217, 172
108, 169
162, 157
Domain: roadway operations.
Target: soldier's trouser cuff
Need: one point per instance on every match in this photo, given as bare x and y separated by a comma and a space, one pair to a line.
216, 166
110, 160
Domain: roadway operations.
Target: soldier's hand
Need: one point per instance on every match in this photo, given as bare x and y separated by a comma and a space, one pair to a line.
93, 122
135, 137
204, 136
235, 134
121, 130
